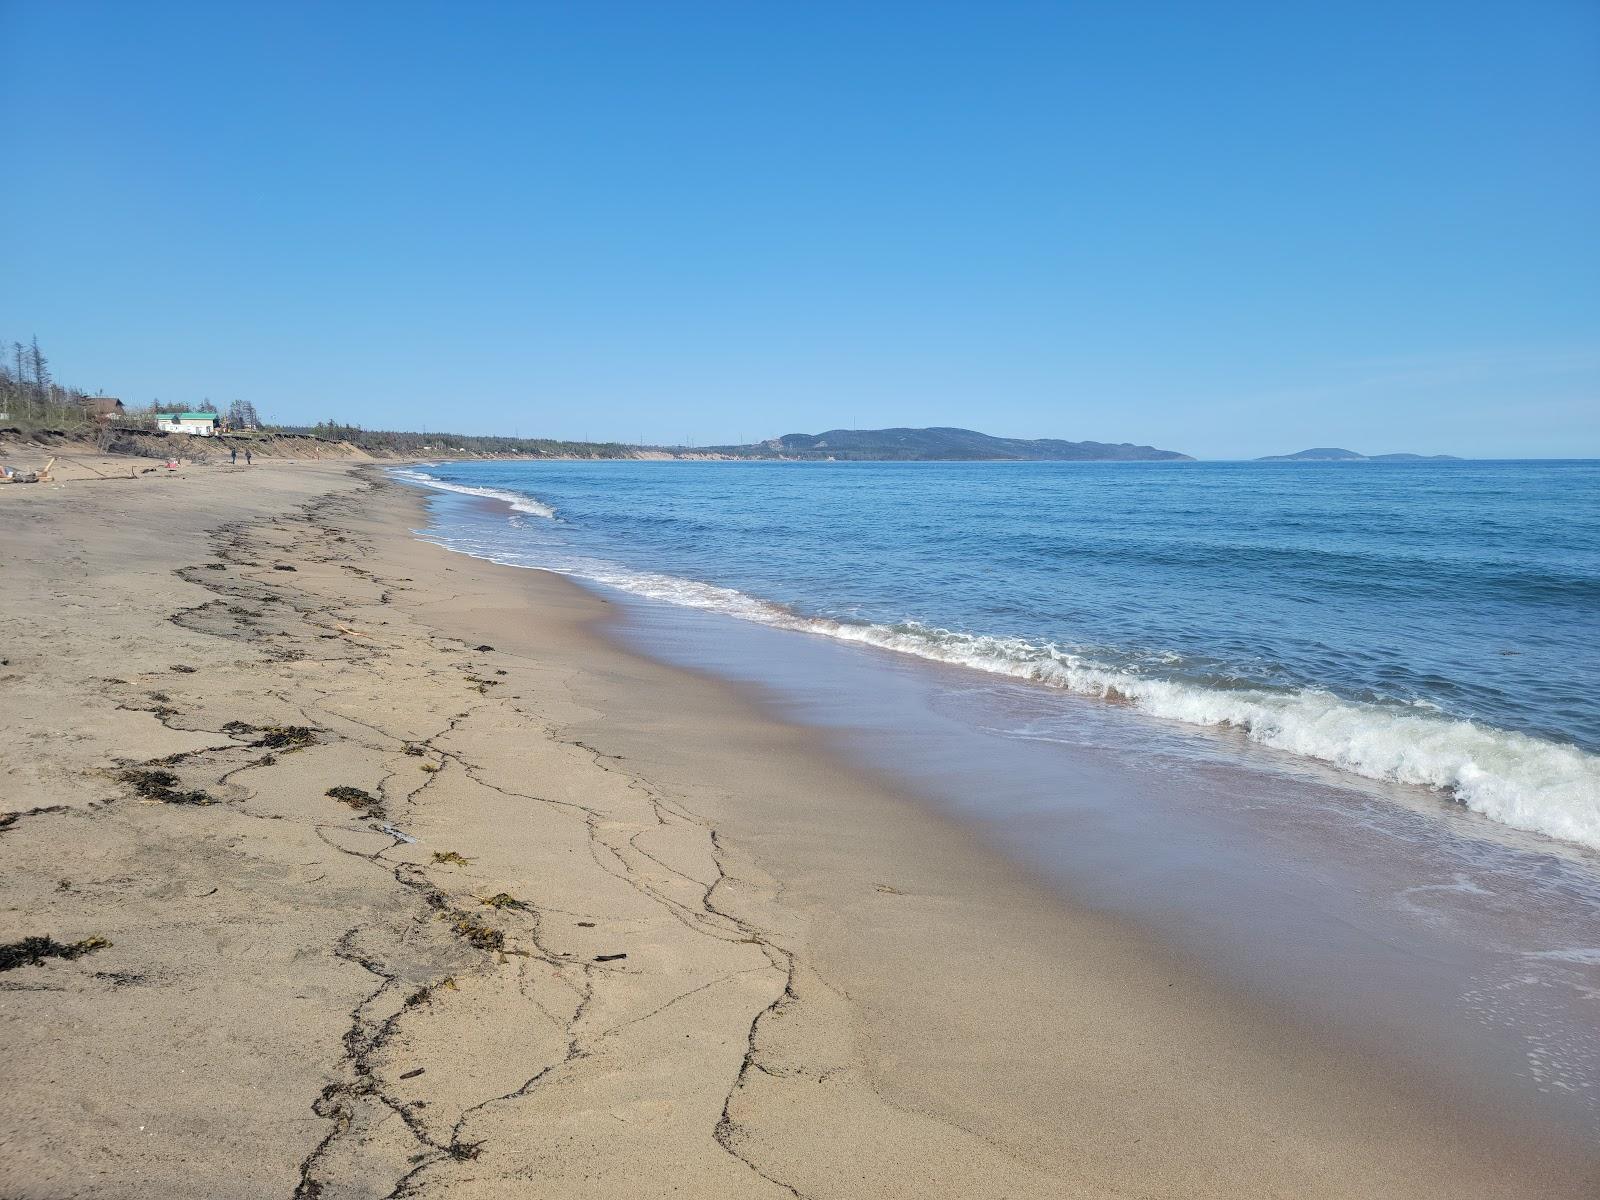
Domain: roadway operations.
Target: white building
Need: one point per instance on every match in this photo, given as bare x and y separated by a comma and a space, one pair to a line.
197, 423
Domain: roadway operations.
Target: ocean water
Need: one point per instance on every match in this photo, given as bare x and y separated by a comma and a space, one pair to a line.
1425, 624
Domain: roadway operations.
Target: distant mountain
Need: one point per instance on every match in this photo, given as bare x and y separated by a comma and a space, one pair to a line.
1316, 454
1415, 458
1335, 454
944, 444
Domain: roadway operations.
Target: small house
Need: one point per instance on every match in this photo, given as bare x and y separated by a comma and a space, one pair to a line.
102, 408
199, 424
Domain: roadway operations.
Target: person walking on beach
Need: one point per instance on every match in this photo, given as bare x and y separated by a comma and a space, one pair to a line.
233, 456
247, 456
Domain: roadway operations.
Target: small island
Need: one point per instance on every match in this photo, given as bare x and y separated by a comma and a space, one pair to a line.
1337, 454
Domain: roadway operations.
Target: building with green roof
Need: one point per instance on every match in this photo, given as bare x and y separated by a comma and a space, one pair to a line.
197, 424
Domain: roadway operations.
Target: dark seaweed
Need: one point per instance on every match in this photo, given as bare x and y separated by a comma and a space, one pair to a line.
355, 797
32, 951
162, 786
285, 737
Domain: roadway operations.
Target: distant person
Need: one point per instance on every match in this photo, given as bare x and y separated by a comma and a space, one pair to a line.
233, 456
247, 456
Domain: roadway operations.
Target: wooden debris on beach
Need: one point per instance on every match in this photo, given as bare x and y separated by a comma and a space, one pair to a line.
10, 474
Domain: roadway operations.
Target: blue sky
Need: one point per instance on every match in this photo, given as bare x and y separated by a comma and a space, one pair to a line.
1229, 229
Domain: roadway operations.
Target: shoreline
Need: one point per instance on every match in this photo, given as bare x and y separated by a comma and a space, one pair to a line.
827, 989
1519, 773
1370, 981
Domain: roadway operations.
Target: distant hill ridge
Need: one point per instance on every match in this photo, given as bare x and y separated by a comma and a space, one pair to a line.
1336, 454
948, 444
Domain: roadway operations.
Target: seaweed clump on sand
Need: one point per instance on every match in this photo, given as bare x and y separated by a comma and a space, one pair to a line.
449, 856
8, 819
503, 900
162, 786
357, 798
32, 951
425, 993
475, 931
285, 737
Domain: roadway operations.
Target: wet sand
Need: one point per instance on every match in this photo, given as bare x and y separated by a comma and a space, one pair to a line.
1420, 933
572, 923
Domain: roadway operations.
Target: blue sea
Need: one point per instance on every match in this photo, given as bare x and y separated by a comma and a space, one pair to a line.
1427, 624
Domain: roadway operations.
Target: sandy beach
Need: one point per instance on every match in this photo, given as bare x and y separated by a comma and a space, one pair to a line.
337, 865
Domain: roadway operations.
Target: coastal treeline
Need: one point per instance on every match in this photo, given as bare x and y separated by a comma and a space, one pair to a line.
408, 444
29, 393
31, 400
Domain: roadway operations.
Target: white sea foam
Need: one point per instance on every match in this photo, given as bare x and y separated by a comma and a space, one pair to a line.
1518, 780
517, 500
1584, 956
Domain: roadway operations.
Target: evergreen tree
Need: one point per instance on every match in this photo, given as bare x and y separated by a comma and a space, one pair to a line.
20, 356
40, 367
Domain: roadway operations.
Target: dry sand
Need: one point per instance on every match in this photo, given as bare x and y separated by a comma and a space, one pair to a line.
598, 928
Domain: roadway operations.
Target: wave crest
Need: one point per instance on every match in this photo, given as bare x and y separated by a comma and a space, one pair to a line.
519, 501
1513, 778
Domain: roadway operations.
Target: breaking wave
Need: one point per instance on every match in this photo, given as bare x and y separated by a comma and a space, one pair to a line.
1516, 779
1513, 778
517, 500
